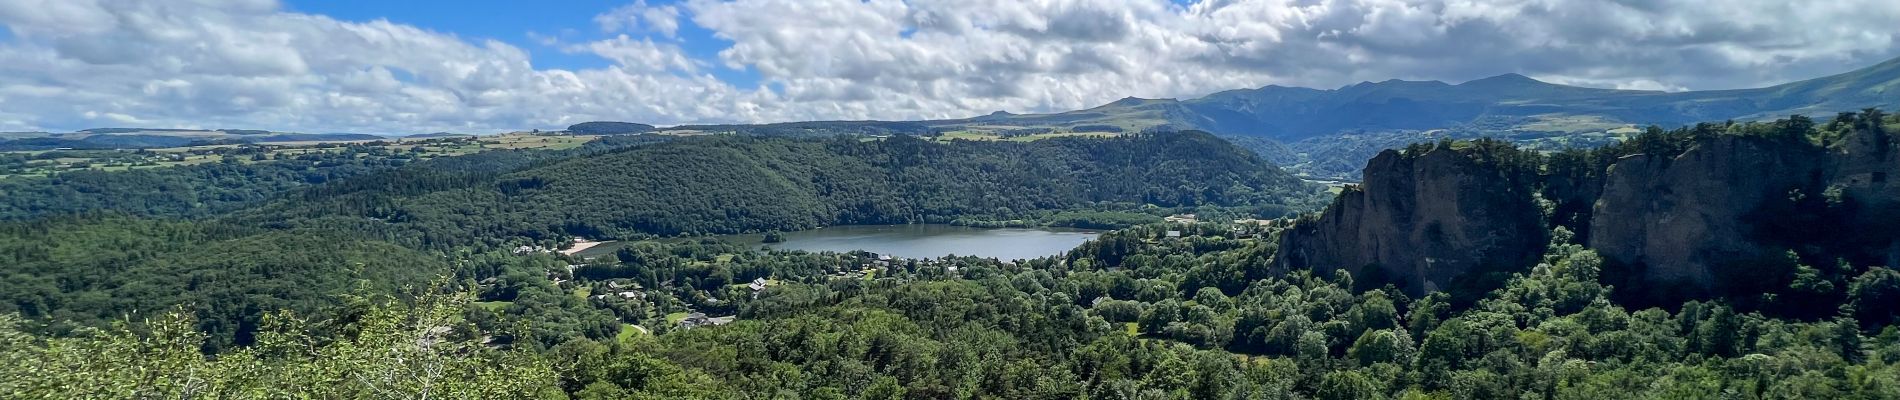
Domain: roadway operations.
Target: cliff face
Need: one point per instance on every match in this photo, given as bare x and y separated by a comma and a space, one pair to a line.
1677, 216
1422, 222
1710, 215
1690, 218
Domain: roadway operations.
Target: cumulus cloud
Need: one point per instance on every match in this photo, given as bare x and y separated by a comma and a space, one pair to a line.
250, 63
639, 54
662, 19
86, 63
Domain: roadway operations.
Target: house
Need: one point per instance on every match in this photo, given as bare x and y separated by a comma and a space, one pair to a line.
699, 319
621, 285
1174, 234
695, 319
1181, 219
757, 284
631, 295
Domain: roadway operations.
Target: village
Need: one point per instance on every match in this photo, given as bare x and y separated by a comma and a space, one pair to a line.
600, 273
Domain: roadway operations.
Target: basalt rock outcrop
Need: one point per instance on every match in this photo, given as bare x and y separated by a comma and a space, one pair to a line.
1676, 217
1700, 219
1718, 212
1423, 220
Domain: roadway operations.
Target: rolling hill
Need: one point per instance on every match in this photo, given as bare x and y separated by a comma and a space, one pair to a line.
147, 138
744, 183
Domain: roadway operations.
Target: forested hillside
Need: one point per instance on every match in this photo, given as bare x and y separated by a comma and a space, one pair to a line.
732, 184
90, 271
179, 192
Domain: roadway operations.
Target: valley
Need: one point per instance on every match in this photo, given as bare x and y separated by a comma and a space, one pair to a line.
1500, 238
1455, 264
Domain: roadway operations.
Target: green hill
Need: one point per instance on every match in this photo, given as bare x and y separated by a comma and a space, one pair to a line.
731, 184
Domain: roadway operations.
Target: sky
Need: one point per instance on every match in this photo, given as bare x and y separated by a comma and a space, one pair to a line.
480, 66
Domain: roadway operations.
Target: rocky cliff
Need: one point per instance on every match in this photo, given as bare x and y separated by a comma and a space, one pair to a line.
1678, 215
1710, 210
1704, 219
1423, 220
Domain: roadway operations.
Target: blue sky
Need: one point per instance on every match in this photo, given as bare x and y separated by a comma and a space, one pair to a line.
337, 66
516, 22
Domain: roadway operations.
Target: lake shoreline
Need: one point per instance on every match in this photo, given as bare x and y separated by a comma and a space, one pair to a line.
906, 241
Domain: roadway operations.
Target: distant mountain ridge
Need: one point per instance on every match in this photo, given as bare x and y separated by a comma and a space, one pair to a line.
437, 135
1328, 133
1503, 103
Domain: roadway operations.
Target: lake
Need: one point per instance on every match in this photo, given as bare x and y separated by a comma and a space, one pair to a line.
923, 241
932, 241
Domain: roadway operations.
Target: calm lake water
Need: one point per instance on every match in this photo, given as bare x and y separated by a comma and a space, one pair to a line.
919, 241
932, 241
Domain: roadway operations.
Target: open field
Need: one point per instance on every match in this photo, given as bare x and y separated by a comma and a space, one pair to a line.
628, 331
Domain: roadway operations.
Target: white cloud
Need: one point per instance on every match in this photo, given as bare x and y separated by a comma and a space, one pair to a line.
641, 54
662, 19
249, 63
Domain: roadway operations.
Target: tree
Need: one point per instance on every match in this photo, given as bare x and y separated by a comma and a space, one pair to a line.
397, 351
1346, 385
1720, 333
1873, 296
1381, 346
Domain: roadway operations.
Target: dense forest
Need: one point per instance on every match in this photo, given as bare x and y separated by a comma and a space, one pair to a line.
405, 282
89, 271
734, 184
180, 192
1138, 314
243, 177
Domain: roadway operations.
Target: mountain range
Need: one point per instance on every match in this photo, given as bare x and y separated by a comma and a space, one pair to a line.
1331, 132
1315, 133
1503, 103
